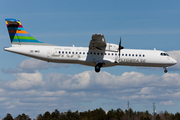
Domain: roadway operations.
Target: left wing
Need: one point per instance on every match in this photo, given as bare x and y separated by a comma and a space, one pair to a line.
98, 42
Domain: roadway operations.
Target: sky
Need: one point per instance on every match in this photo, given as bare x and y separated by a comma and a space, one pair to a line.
33, 87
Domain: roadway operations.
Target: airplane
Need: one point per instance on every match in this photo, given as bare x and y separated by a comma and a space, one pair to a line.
98, 54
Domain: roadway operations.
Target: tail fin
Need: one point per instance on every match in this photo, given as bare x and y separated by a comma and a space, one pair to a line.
18, 35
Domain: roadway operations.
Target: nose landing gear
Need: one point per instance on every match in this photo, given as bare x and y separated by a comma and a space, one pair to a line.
165, 69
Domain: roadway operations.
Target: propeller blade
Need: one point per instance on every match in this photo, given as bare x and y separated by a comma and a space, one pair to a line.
120, 47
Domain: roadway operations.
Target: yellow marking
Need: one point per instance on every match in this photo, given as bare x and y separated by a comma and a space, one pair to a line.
19, 23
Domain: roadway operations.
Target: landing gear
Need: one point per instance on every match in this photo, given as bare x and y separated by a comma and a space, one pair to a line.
165, 69
98, 67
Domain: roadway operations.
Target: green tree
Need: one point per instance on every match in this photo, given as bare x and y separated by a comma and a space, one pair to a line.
111, 114
39, 117
47, 116
130, 113
166, 114
145, 116
62, 116
75, 115
23, 117
55, 114
177, 116
8, 117
158, 117
119, 113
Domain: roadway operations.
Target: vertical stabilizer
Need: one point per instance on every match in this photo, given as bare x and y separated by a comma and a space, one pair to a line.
18, 35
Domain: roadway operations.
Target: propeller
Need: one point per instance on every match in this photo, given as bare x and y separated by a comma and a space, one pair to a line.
120, 47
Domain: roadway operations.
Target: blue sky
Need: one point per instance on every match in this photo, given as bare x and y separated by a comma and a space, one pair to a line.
31, 86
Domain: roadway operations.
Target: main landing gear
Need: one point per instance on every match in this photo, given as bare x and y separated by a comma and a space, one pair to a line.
98, 67
165, 69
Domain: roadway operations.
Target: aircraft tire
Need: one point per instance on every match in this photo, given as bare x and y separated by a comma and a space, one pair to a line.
97, 68
165, 70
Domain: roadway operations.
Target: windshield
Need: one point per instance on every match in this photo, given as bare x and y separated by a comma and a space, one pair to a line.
164, 54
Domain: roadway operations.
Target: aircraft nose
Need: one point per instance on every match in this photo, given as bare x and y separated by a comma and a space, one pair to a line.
173, 61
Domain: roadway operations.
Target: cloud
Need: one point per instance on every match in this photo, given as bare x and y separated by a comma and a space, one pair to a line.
88, 79
32, 92
31, 65
26, 81
34, 64
165, 103
146, 90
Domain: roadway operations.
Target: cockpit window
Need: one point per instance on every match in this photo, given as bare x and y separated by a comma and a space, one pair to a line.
164, 54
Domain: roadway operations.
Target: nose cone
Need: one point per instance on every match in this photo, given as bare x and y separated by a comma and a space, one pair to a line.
173, 61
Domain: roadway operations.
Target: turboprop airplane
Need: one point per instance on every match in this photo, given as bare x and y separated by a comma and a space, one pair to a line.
98, 54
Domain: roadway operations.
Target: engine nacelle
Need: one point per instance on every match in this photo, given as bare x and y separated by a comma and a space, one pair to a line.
111, 47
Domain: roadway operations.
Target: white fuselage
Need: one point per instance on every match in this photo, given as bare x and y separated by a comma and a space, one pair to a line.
82, 55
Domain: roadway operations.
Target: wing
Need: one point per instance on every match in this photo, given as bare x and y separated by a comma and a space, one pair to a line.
98, 42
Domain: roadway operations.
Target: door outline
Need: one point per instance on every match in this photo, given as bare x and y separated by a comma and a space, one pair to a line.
49, 54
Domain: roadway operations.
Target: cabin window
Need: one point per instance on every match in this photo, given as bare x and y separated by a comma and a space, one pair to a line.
101, 53
108, 53
69, 52
79, 52
90, 52
122, 54
97, 53
104, 53
112, 54
66, 52
133, 55
94, 53
83, 53
76, 52
139, 55
72, 52
59, 52
143, 55
136, 55
129, 54
87, 53
63, 52
37, 51
126, 54
115, 54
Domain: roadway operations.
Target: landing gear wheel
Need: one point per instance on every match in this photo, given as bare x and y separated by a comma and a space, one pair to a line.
165, 70
97, 68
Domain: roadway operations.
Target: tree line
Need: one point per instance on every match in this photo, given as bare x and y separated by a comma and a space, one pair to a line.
98, 114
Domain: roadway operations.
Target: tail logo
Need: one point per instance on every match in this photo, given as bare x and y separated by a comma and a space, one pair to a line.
17, 33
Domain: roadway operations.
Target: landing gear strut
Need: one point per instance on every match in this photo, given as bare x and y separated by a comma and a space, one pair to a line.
98, 67
165, 69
